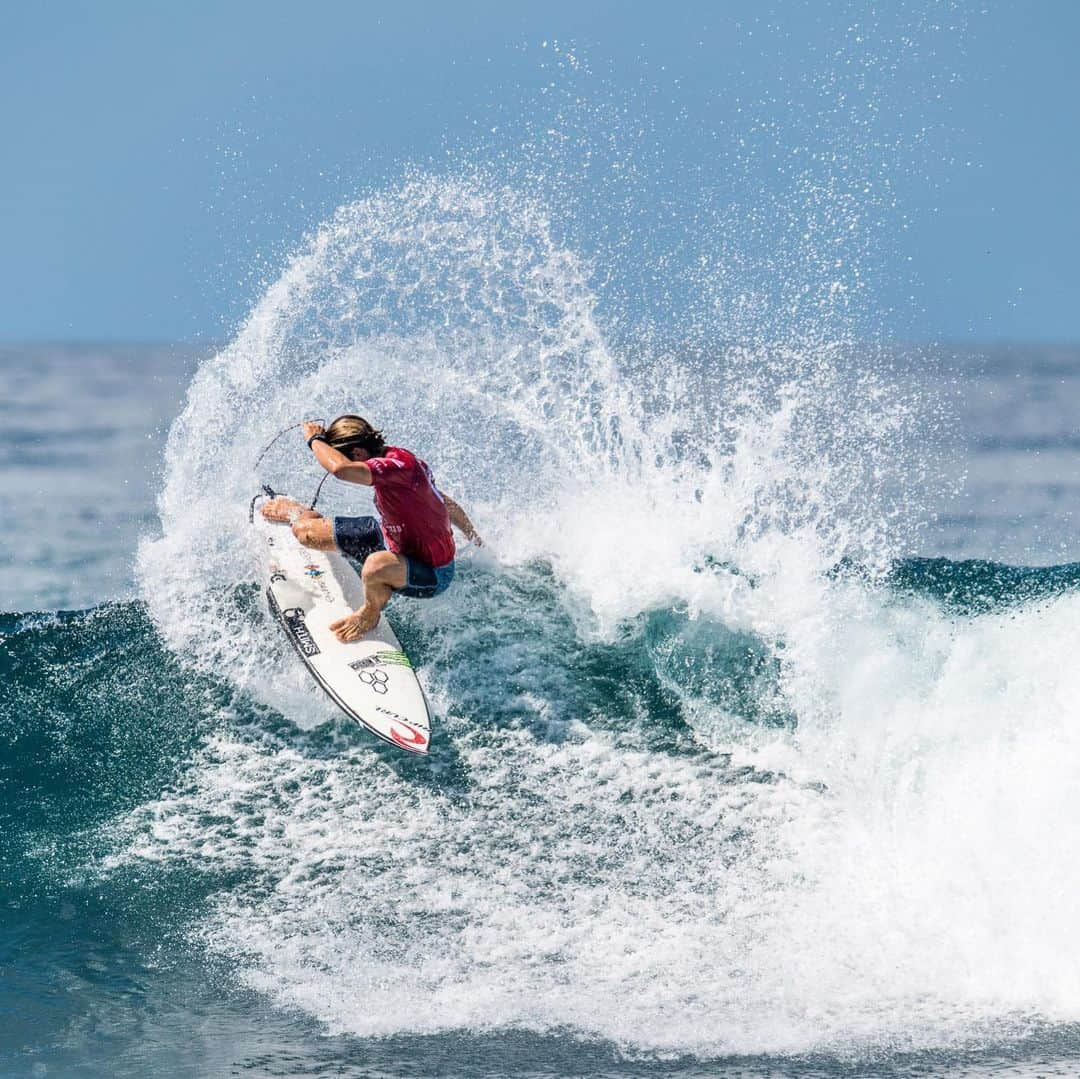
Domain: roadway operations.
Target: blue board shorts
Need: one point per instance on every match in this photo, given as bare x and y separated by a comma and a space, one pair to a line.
357, 537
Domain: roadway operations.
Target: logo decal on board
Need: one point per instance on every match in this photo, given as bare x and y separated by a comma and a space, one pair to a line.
311, 569
293, 617
375, 679
408, 737
387, 658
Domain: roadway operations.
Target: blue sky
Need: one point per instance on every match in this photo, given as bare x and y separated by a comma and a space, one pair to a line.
161, 161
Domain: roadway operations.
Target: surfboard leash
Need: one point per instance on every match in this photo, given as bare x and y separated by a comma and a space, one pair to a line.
284, 431
269, 491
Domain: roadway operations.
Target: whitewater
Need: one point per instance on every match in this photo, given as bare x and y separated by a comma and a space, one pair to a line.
746, 758
718, 774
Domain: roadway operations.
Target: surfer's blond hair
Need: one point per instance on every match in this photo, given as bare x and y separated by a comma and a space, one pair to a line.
350, 432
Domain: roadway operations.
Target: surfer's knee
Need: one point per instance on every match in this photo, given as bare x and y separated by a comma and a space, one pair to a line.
375, 564
383, 567
315, 532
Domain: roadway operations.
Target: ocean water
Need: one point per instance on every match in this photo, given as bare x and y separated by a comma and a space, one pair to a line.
83, 433
756, 741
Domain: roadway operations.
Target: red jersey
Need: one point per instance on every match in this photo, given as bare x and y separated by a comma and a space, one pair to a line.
414, 518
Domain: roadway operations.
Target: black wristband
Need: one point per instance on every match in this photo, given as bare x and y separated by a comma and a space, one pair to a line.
320, 437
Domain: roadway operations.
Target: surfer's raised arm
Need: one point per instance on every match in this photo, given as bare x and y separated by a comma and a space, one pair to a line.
333, 459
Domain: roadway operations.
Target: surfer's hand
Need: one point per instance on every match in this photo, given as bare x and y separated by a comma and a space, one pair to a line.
311, 429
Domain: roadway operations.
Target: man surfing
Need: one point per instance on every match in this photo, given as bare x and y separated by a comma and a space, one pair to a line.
409, 548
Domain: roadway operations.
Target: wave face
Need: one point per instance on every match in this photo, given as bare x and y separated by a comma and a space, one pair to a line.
678, 837
714, 773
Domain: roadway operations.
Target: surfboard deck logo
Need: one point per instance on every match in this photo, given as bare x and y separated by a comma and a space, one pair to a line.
294, 621
388, 658
376, 681
406, 735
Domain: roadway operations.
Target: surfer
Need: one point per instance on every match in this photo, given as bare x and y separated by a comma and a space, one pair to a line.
408, 549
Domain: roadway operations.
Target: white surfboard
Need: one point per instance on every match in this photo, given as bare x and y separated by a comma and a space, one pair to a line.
370, 680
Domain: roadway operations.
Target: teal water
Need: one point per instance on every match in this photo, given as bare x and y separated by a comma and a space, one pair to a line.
107, 968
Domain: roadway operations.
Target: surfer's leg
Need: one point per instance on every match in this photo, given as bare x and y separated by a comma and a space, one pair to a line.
286, 509
383, 573
316, 532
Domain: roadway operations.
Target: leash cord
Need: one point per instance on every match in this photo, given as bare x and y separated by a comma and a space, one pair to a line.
266, 489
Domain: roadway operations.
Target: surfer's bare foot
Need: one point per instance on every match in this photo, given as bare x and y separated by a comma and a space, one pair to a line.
352, 627
286, 509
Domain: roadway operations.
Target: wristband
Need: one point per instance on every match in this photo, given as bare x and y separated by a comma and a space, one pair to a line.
320, 437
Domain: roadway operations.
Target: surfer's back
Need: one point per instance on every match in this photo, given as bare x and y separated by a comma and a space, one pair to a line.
414, 515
